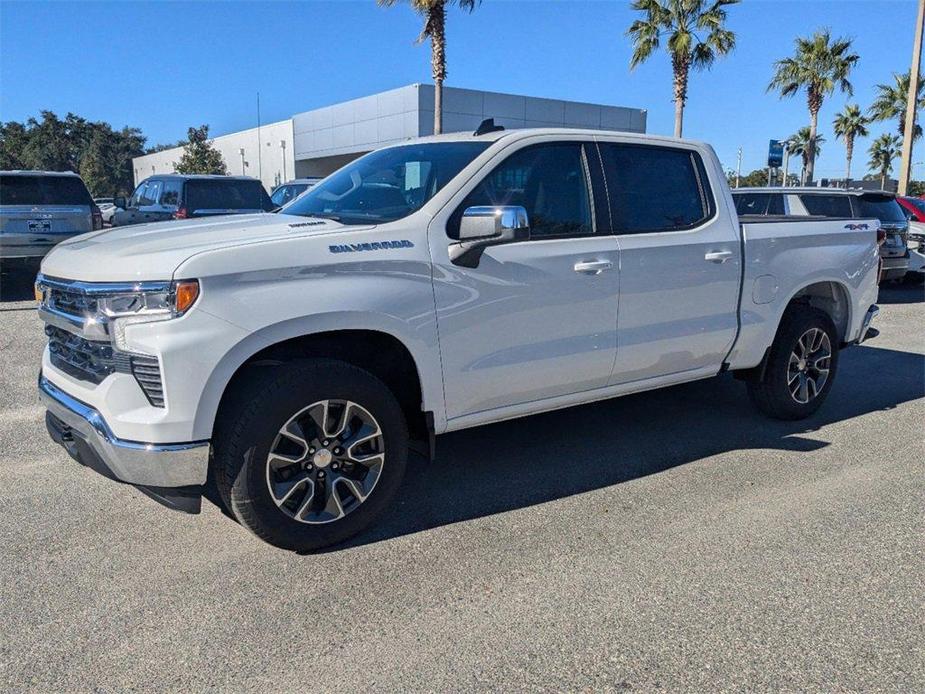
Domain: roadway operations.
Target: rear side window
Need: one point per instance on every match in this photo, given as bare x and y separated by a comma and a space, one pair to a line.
226, 195
43, 190
655, 188
759, 203
827, 205
170, 195
882, 207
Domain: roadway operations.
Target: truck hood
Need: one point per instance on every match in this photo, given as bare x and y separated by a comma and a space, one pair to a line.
154, 251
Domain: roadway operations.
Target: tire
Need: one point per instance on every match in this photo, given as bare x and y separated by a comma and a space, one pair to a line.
773, 392
298, 396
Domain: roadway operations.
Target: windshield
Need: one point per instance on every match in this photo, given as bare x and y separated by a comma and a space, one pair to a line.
387, 184
882, 207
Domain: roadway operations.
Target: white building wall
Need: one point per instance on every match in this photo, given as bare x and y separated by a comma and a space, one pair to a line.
274, 165
319, 142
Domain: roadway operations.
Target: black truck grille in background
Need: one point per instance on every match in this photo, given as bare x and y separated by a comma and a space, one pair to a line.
92, 361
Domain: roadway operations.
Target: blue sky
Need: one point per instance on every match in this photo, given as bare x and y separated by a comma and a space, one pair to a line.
164, 66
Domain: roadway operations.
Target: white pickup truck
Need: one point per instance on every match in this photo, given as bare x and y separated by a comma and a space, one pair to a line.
427, 287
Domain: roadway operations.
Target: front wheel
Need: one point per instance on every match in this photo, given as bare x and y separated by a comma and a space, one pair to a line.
312, 454
801, 365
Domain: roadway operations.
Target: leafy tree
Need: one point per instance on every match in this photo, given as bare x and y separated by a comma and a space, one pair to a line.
819, 65
199, 155
13, 138
694, 35
882, 152
805, 144
434, 13
890, 102
848, 125
916, 188
101, 155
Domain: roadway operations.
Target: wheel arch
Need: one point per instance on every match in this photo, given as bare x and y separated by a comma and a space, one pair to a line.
829, 296
374, 345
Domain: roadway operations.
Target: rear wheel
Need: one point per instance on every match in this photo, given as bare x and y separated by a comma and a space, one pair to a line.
801, 365
312, 452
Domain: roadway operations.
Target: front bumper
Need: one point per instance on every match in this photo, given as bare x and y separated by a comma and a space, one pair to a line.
87, 437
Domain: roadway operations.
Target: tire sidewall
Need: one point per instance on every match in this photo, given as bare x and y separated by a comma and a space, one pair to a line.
795, 324
303, 386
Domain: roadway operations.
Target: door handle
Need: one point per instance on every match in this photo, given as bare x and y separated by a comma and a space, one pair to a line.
718, 256
593, 267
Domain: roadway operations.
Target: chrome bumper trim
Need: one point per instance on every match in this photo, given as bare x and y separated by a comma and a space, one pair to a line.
150, 464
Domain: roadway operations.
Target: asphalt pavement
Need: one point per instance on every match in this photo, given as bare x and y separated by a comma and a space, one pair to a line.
674, 540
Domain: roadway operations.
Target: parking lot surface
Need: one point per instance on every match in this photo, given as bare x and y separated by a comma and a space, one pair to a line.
673, 540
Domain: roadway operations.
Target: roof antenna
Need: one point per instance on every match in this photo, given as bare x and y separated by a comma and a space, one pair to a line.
487, 126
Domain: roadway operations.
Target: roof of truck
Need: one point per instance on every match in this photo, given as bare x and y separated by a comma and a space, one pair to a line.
520, 133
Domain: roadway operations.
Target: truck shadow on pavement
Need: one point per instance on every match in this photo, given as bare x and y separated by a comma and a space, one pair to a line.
16, 281
907, 292
523, 462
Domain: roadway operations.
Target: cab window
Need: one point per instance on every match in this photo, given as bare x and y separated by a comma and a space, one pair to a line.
549, 181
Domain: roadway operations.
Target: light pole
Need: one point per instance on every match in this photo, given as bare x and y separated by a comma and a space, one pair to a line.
282, 146
786, 162
905, 167
738, 166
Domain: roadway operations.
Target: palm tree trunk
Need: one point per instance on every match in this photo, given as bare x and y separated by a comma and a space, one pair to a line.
849, 150
436, 24
680, 67
811, 145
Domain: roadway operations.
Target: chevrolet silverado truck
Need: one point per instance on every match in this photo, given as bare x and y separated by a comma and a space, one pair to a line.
430, 286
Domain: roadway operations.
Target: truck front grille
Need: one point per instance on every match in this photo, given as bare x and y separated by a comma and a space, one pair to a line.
83, 359
93, 361
71, 302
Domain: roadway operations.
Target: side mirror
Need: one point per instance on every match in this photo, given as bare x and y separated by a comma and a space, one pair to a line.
481, 227
119, 202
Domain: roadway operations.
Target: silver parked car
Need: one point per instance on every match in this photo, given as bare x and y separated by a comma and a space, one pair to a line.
841, 204
291, 190
38, 209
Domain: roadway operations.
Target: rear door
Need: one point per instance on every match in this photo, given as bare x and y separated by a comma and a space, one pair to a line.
680, 261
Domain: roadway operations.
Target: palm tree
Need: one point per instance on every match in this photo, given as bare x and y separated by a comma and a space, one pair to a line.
891, 102
819, 65
695, 37
882, 152
849, 124
434, 13
805, 144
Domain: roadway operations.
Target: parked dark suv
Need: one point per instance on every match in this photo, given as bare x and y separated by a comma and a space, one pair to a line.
175, 196
41, 208
840, 203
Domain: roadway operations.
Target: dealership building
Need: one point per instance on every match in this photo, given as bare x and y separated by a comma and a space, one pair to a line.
317, 142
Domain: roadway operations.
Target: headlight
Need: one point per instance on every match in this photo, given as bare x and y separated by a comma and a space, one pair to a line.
147, 304
159, 302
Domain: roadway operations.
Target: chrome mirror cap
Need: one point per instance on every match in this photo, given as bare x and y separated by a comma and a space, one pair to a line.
486, 222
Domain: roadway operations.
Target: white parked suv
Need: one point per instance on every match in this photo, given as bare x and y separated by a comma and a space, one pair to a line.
427, 287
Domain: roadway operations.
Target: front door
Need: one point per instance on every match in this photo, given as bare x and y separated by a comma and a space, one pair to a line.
680, 262
536, 319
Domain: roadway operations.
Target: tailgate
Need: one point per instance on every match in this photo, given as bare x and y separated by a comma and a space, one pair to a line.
53, 220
